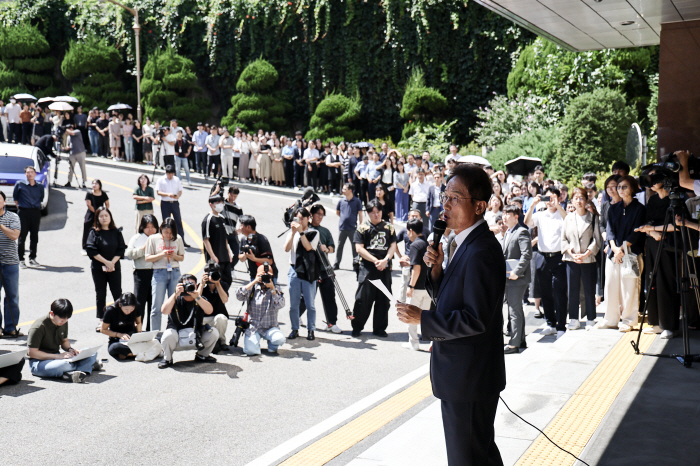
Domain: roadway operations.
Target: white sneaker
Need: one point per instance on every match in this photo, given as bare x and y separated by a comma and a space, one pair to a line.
189, 184
574, 324
548, 331
668, 334
652, 330
560, 333
83, 252
624, 328
411, 345
590, 324
335, 329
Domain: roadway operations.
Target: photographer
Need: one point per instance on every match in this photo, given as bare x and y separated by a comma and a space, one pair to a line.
185, 310
216, 292
215, 242
255, 248
304, 269
265, 299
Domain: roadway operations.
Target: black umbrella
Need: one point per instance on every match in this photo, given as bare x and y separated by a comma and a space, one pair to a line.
522, 165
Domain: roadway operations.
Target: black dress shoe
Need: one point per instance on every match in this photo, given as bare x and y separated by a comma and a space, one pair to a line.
224, 347
356, 333
164, 363
199, 358
293, 335
336, 267
510, 350
381, 333
523, 345
311, 335
186, 245
539, 315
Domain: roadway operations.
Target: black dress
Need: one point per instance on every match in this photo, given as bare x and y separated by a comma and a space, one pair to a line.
88, 222
138, 145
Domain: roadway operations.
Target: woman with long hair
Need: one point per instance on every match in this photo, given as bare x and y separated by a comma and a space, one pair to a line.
401, 185
143, 270
580, 242
94, 200
144, 197
254, 146
277, 172
137, 135
497, 189
120, 322
495, 208
533, 189
105, 246
165, 250
387, 208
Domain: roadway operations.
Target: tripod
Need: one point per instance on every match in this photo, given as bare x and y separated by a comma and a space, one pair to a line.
331, 273
685, 279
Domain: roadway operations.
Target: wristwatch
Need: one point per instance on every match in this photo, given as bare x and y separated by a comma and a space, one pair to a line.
302, 233
197, 298
411, 286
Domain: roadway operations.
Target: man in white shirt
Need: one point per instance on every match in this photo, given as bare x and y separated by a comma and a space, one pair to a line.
3, 121
552, 274
12, 111
419, 191
213, 152
169, 146
311, 156
237, 149
169, 190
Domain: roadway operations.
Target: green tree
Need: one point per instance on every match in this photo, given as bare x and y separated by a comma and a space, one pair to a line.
433, 137
26, 67
334, 119
91, 65
542, 143
594, 133
421, 105
170, 90
257, 106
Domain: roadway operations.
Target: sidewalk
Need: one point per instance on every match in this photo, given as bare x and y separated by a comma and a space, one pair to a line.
540, 380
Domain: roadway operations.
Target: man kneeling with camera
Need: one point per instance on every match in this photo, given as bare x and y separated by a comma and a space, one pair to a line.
216, 292
264, 299
185, 310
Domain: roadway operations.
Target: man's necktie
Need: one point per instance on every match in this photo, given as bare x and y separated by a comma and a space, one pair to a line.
452, 249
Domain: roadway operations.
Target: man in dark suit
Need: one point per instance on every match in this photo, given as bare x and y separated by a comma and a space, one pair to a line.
517, 245
467, 366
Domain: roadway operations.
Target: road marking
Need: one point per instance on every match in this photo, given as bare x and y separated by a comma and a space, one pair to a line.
273, 456
198, 241
574, 425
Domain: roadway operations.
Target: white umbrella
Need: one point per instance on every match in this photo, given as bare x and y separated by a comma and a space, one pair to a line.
61, 106
119, 106
66, 98
43, 100
24, 97
476, 159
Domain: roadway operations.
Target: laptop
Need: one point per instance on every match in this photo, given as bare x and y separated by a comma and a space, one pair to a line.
84, 353
10, 359
142, 337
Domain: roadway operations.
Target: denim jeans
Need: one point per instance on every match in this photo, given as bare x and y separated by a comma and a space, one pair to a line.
163, 282
129, 148
58, 367
297, 288
181, 162
10, 283
274, 337
94, 141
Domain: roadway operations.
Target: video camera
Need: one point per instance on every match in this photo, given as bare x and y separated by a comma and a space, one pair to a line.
249, 248
308, 199
666, 171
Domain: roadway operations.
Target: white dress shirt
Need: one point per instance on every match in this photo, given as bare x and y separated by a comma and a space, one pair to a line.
165, 185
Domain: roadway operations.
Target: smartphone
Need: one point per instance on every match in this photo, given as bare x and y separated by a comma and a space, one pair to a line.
545, 198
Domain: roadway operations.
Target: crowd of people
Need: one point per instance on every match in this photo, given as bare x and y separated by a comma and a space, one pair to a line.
565, 251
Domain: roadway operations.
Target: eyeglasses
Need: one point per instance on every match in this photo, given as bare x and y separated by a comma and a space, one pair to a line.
622, 187
452, 200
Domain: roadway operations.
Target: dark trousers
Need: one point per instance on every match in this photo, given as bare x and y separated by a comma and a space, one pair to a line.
368, 295
289, 173
102, 279
663, 303
575, 274
117, 349
312, 175
30, 220
26, 133
235, 249
364, 191
169, 160
516, 316
144, 298
371, 188
330, 308
469, 433
299, 174
104, 145
434, 216
173, 208
15, 133
344, 235
552, 278
213, 161
421, 207
201, 161
87, 226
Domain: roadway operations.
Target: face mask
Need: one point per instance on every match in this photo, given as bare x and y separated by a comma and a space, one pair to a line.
12, 101
219, 207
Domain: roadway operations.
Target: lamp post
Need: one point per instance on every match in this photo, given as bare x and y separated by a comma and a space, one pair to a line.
137, 30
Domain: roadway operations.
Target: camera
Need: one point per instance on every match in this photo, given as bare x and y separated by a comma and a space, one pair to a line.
223, 181
242, 325
249, 247
189, 286
308, 199
267, 276
665, 172
545, 198
214, 271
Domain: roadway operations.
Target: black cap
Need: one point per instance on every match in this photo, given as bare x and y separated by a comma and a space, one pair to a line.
199, 123
169, 169
298, 133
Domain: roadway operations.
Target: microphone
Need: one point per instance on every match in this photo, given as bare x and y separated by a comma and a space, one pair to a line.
438, 230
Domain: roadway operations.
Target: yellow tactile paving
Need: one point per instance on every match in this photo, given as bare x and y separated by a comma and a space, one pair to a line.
574, 425
330, 446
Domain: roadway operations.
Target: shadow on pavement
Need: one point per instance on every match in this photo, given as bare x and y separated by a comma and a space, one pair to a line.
58, 212
218, 368
99, 377
68, 269
24, 387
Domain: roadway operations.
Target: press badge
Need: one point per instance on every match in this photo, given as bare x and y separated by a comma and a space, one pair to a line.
169, 267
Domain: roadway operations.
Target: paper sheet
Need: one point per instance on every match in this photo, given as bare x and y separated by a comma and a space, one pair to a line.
140, 241
383, 289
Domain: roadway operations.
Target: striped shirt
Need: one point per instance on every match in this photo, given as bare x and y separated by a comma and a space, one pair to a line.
8, 247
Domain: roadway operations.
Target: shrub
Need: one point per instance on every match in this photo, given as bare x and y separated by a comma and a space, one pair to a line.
23, 40
35, 64
333, 118
594, 133
542, 143
21, 50
91, 56
421, 105
435, 138
258, 76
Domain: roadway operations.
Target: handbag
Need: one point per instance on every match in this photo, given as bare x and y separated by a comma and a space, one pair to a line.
187, 339
630, 264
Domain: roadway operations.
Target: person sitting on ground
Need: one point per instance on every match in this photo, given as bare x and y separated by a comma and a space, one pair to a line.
119, 323
265, 299
185, 311
50, 334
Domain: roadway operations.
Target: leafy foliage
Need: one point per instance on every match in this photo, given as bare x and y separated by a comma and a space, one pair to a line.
506, 118
542, 143
257, 106
421, 105
25, 69
435, 138
170, 90
334, 119
594, 133
90, 56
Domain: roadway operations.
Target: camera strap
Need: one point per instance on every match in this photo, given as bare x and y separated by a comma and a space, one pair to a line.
177, 314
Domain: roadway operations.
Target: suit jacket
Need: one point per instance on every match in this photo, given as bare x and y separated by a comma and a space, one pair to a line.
433, 195
518, 245
466, 362
580, 234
